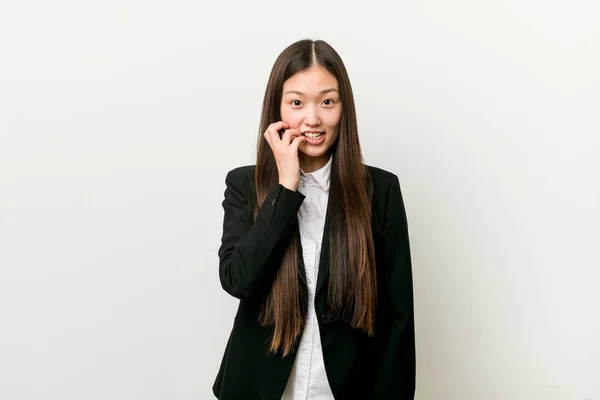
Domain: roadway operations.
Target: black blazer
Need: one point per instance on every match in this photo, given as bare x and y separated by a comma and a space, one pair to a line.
357, 367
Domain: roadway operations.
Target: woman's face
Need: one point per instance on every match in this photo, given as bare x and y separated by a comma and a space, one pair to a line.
311, 102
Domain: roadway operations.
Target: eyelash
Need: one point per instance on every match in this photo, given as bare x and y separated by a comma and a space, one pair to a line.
331, 100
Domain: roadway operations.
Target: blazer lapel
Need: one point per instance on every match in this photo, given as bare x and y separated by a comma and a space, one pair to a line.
323, 267
323, 272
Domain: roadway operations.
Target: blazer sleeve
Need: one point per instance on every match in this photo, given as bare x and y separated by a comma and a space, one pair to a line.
395, 370
251, 252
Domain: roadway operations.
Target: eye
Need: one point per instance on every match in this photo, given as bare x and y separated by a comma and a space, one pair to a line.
331, 102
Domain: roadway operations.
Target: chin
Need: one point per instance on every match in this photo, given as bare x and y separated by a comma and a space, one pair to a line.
314, 152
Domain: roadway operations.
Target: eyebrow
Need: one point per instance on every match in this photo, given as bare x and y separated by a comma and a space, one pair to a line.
321, 92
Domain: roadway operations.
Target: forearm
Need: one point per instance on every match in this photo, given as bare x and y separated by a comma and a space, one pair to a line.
250, 253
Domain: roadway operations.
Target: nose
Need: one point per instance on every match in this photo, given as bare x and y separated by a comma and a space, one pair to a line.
312, 116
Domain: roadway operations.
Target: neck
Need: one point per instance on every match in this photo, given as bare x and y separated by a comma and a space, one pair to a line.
311, 164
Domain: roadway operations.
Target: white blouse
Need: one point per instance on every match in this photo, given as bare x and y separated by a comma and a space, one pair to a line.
308, 379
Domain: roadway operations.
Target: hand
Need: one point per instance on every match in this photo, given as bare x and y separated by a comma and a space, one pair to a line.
285, 150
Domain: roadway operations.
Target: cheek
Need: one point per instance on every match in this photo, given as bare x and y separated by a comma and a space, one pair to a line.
290, 117
333, 120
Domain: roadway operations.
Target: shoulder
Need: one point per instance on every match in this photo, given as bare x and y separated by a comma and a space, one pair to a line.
242, 169
241, 173
386, 188
382, 179
381, 174
241, 179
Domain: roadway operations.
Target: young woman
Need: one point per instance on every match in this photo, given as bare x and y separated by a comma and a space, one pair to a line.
315, 246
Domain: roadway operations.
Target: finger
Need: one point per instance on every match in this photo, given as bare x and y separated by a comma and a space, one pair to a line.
288, 135
276, 126
272, 134
268, 136
296, 142
273, 137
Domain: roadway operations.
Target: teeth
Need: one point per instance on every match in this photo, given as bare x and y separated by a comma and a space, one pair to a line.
313, 135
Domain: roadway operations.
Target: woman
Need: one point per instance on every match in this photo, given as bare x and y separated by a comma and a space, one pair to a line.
315, 246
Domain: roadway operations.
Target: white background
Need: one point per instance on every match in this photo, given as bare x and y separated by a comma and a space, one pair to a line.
120, 119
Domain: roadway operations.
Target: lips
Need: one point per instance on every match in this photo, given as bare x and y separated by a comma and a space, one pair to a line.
316, 140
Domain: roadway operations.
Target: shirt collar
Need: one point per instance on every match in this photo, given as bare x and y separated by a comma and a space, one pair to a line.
321, 175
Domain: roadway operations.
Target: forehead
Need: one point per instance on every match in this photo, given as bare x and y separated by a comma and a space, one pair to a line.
311, 81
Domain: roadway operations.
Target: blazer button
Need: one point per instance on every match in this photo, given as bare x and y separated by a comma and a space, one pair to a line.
273, 202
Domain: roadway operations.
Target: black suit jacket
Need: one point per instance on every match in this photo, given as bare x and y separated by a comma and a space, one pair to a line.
357, 367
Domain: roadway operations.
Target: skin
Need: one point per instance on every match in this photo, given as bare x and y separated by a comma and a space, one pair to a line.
312, 110
310, 102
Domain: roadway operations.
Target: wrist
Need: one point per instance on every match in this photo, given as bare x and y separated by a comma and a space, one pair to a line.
289, 185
